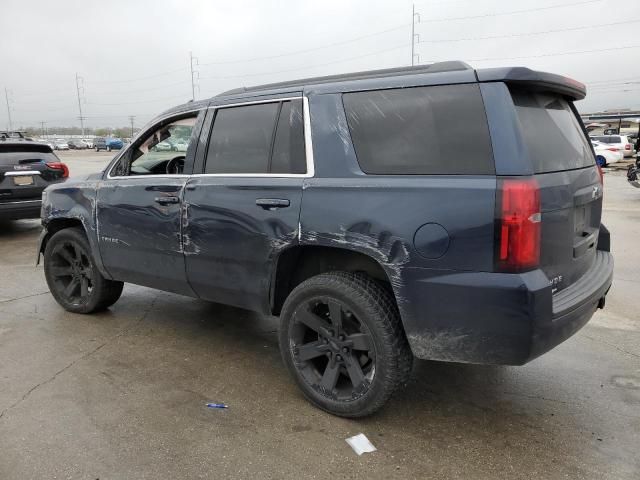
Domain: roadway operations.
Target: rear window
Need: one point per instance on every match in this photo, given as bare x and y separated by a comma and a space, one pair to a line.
420, 130
16, 154
552, 133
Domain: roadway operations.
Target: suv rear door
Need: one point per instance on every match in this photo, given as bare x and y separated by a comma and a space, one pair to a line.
563, 165
243, 210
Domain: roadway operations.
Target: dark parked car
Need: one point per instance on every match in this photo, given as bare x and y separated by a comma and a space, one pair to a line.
26, 168
76, 144
107, 143
348, 207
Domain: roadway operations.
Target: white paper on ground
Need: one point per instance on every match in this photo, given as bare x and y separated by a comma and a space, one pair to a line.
361, 444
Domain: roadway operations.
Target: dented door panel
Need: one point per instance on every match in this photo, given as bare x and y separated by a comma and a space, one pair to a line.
139, 231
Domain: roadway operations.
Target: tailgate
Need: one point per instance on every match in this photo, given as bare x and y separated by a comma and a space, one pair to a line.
563, 164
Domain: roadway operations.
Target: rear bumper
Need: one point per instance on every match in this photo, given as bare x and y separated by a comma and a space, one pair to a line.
20, 209
497, 318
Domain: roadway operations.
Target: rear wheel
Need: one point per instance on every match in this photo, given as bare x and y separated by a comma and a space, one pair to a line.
108, 149
600, 161
72, 277
342, 340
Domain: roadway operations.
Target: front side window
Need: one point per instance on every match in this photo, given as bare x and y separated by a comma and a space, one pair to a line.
161, 152
257, 139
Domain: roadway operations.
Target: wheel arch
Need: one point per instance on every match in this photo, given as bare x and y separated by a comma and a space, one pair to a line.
300, 262
56, 224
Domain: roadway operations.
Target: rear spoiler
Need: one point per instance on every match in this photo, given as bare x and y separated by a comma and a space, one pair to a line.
534, 80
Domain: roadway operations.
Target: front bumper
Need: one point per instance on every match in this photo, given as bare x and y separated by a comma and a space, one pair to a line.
18, 209
497, 318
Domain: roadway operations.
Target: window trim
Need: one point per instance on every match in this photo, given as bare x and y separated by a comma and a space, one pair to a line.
308, 146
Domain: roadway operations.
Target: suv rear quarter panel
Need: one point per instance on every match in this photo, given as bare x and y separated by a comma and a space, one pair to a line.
378, 215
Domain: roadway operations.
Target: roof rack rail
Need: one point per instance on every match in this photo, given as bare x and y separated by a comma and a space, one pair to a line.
437, 67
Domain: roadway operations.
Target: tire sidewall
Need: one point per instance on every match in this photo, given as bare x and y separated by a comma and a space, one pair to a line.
366, 315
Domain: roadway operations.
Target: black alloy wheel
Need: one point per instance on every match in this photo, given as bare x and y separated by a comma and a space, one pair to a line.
342, 340
72, 272
73, 278
333, 350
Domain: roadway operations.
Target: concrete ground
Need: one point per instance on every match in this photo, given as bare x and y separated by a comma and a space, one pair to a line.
121, 394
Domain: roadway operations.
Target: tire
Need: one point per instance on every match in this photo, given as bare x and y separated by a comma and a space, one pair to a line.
108, 149
67, 260
97, 149
600, 161
349, 367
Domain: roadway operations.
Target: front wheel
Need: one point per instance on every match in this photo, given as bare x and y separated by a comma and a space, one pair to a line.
342, 340
72, 277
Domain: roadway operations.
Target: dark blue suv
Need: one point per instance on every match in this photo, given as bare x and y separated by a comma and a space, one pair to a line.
350, 207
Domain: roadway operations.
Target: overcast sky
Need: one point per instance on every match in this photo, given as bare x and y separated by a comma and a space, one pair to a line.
133, 57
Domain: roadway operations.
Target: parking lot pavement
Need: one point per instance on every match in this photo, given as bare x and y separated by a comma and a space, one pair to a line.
122, 394
84, 162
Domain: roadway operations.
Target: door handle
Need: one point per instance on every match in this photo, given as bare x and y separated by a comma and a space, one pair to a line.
167, 200
272, 203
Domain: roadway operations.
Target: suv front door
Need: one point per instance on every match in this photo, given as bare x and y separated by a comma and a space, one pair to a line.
139, 208
243, 210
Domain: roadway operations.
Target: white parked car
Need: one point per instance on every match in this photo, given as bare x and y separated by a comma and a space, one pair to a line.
620, 141
60, 144
606, 153
88, 141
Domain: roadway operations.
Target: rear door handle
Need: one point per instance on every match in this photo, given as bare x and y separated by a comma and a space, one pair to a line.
272, 203
167, 200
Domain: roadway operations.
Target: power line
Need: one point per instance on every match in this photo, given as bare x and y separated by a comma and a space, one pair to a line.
492, 37
612, 80
127, 92
138, 101
511, 12
553, 54
306, 67
160, 74
307, 50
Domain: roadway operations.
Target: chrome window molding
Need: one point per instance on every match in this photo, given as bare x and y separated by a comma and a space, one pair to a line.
308, 147
20, 201
18, 173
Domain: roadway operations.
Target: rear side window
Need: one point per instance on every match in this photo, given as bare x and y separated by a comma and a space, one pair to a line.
552, 133
420, 130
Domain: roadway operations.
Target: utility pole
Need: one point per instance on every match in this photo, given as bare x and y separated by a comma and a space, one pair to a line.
6, 97
44, 132
414, 35
194, 74
131, 119
79, 80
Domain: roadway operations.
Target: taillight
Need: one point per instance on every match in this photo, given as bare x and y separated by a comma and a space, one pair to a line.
59, 166
518, 225
627, 146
